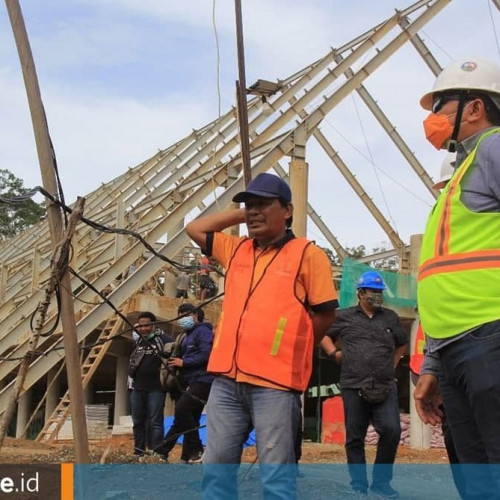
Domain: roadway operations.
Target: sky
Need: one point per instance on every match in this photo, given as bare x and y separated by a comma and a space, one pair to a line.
121, 79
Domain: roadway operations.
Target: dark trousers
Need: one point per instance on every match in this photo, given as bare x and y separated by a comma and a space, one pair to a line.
147, 417
385, 419
456, 470
470, 385
186, 417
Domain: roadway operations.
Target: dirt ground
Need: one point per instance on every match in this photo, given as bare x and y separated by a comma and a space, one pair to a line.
119, 450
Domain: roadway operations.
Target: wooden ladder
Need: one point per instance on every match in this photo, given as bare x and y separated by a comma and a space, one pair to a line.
90, 365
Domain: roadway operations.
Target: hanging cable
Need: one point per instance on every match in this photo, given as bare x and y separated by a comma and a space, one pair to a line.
373, 163
437, 45
494, 28
219, 105
426, 203
128, 232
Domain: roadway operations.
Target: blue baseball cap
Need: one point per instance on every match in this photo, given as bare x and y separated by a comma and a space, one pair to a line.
267, 186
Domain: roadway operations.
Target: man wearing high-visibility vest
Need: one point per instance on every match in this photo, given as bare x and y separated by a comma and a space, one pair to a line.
459, 274
279, 301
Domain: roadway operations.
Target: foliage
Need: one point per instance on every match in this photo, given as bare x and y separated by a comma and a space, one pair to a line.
15, 218
386, 264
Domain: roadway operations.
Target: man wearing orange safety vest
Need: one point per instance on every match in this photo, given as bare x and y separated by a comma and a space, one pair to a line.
279, 302
459, 274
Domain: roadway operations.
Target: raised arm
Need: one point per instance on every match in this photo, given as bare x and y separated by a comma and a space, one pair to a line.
199, 228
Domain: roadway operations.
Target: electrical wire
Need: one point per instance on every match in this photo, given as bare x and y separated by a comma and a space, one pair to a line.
373, 163
402, 186
494, 28
437, 45
127, 232
219, 105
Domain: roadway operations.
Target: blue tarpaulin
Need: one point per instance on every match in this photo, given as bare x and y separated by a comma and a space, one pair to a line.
168, 421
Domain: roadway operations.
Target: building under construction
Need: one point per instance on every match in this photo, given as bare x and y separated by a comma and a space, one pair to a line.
199, 174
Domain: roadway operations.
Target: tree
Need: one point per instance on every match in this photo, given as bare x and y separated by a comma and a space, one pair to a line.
387, 264
16, 217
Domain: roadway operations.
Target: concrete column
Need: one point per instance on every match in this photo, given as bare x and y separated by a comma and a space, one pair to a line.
299, 182
420, 434
23, 412
299, 171
52, 393
169, 286
122, 404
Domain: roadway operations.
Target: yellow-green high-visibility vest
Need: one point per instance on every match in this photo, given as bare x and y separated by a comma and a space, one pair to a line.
459, 273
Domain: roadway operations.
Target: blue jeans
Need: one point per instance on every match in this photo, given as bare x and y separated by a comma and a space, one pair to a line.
232, 408
147, 417
385, 419
470, 385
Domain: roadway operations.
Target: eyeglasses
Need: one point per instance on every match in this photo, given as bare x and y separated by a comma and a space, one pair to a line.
440, 100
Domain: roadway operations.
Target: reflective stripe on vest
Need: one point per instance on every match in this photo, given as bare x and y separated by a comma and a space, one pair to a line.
266, 330
459, 274
417, 357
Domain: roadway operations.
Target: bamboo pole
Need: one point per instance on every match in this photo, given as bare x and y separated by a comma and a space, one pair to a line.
54, 216
60, 263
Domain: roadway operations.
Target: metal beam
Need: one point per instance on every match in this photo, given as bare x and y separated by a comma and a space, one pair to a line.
339, 249
393, 134
321, 111
422, 48
358, 189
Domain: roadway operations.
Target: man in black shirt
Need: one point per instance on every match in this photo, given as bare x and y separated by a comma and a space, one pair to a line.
148, 397
372, 341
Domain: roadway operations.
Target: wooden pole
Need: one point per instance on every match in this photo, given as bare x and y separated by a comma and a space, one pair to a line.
60, 263
241, 96
54, 216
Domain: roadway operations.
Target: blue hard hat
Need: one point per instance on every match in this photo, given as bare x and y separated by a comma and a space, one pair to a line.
371, 279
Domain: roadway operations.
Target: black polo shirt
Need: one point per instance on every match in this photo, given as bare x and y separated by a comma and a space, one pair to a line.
368, 346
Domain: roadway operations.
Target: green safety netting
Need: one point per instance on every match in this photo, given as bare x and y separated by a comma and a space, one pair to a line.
401, 288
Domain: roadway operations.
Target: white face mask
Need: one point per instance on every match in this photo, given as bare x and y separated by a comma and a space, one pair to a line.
186, 323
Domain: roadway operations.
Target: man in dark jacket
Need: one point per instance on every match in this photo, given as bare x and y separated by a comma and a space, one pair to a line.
194, 353
372, 341
147, 398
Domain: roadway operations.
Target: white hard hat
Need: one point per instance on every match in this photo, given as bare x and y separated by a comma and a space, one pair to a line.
466, 74
447, 169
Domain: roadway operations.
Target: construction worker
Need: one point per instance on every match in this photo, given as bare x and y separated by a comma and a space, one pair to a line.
446, 172
368, 340
417, 358
459, 274
279, 302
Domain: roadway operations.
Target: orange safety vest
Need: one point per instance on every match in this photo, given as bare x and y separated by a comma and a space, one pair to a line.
417, 357
265, 330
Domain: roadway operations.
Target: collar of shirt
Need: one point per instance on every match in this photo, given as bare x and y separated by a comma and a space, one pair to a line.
377, 311
277, 244
465, 147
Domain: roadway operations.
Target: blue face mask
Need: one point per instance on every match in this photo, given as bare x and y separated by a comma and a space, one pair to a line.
186, 323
